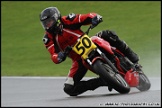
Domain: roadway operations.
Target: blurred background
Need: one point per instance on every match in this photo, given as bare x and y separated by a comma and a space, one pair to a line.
24, 54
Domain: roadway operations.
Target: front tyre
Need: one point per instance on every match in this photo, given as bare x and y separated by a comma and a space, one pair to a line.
144, 83
113, 79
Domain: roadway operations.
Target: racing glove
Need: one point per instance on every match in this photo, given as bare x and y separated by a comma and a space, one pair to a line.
61, 57
96, 20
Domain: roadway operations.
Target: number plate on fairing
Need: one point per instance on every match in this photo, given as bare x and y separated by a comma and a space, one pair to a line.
84, 46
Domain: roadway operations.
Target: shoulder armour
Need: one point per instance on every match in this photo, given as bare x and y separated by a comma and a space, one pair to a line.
45, 39
71, 16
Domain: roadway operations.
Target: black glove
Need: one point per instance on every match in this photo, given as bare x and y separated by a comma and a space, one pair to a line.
61, 57
96, 20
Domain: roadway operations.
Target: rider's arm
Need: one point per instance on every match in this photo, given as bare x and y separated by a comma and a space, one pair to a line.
50, 47
75, 21
86, 19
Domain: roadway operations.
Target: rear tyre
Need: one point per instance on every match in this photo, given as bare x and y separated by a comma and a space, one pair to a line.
113, 79
144, 82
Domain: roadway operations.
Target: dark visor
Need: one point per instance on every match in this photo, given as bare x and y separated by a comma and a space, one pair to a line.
48, 22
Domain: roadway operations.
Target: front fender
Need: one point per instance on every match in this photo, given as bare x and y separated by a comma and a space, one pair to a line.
90, 67
96, 58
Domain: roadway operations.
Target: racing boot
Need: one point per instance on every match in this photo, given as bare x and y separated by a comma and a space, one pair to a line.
94, 83
104, 83
97, 82
110, 88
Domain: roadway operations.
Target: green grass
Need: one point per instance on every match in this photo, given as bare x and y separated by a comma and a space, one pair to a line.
23, 52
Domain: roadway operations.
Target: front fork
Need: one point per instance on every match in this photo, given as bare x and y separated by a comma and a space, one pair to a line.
105, 58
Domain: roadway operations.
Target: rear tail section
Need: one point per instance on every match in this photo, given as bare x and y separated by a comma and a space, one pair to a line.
132, 78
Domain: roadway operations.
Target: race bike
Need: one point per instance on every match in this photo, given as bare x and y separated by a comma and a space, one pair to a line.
109, 63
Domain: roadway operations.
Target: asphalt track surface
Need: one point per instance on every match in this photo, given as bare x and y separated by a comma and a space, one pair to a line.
48, 92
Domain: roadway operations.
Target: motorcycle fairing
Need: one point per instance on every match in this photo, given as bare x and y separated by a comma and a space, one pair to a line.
102, 43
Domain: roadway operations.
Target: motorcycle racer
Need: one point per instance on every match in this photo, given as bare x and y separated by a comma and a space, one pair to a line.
61, 31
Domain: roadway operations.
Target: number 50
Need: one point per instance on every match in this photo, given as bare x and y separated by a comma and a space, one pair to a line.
83, 45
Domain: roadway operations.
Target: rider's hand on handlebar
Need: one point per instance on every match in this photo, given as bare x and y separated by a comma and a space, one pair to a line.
96, 20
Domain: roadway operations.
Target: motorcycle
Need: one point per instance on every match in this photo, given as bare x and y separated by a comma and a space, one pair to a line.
109, 63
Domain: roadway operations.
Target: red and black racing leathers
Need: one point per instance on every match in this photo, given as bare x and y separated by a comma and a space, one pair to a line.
70, 33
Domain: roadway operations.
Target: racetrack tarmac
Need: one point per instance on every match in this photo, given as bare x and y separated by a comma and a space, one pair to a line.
48, 92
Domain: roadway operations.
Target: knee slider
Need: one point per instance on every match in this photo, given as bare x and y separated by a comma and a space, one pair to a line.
68, 88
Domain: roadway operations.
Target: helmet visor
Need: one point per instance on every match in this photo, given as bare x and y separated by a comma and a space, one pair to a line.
48, 23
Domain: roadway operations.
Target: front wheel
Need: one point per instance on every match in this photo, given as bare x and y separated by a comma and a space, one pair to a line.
113, 79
